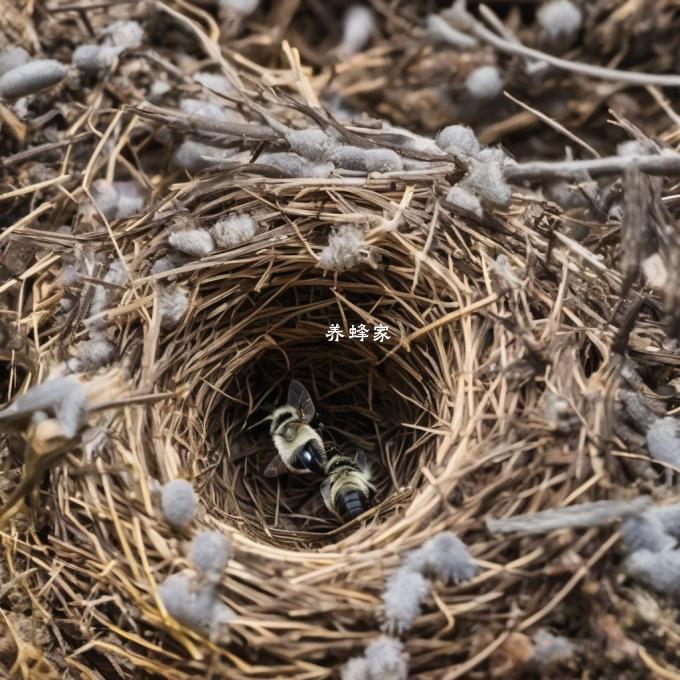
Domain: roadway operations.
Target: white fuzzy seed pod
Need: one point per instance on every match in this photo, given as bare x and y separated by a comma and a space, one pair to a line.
127, 35
292, 165
646, 531
32, 77
404, 593
559, 18
209, 554
444, 556
130, 199
13, 57
106, 198
172, 305
345, 250
387, 659
234, 230
94, 58
197, 107
239, 7
194, 605
357, 29
313, 143
464, 201
458, 140
552, 649
194, 242
92, 354
663, 440
669, 516
368, 160
484, 83
196, 156
486, 179
658, 570
214, 81
356, 669
178, 503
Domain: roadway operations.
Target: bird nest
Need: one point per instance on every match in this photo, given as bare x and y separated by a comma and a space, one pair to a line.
489, 395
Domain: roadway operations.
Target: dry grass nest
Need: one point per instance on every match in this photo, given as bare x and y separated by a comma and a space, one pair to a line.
493, 396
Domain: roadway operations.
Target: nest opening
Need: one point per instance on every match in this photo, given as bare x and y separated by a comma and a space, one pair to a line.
365, 397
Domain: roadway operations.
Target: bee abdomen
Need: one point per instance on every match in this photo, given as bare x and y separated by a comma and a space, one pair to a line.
351, 504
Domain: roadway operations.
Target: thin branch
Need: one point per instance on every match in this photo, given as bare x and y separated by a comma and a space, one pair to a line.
583, 515
632, 77
664, 164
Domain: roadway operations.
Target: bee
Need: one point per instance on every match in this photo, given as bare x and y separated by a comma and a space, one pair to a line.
347, 490
299, 446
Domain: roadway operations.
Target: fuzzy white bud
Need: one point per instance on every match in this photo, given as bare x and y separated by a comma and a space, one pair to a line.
178, 503
32, 77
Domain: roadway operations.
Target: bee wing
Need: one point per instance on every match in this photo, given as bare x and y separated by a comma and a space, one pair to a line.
360, 458
326, 493
276, 467
299, 398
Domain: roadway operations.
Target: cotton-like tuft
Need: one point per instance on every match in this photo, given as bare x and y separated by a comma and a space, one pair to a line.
195, 605
13, 57
64, 396
194, 242
630, 148
559, 17
663, 440
31, 77
464, 200
458, 140
646, 531
636, 409
241, 7
172, 305
358, 25
195, 156
404, 593
484, 82
116, 276
491, 154
106, 198
658, 570
387, 659
368, 160
439, 30
91, 354
487, 181
130, 199
669, 516
127, 35
166, 263
292, 165
93, 58
313, 144
444, 556
234, 230
345, 250
214, 81
552, 649
178, 503
209, 554
356, 669
197, 107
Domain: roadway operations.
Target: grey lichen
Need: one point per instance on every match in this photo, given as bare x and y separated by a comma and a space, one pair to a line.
445, 557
